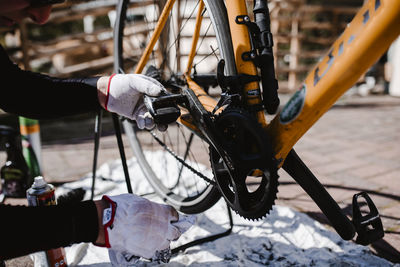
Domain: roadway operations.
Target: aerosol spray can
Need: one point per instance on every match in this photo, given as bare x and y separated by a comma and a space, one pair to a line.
42, 194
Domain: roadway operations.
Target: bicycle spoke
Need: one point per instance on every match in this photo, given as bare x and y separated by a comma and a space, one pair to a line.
189, 143
183, 26
202, 39
204, 58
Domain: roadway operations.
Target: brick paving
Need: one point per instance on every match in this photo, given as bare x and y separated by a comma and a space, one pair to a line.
354, 147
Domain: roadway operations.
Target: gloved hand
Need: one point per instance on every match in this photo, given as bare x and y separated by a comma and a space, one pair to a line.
136, 227
125, 97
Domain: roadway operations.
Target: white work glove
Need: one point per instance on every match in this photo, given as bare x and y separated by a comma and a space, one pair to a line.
136, 227
125, 97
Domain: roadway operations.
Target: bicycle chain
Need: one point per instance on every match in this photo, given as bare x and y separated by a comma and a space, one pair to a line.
161, 143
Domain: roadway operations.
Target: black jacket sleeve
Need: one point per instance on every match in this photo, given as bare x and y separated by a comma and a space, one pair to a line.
39, 96
29, 229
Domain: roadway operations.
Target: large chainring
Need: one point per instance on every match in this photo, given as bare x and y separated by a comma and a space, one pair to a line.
250, 188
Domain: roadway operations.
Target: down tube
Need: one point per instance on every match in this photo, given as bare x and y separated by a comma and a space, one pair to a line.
365, 39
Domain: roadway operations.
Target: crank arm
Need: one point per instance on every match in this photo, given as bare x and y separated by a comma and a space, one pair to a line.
296, 168
164, 109
368, 227
204, 122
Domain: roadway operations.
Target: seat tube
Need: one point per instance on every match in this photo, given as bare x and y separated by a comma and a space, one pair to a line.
241, 44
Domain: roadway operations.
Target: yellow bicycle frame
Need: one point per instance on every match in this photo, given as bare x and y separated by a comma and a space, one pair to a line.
241, 43
367, 37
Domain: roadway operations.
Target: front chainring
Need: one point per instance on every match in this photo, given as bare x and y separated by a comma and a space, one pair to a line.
250, 188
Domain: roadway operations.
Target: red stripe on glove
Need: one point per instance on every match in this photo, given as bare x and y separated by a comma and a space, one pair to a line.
108, 90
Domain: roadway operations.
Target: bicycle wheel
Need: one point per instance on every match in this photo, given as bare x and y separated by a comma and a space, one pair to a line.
175, 162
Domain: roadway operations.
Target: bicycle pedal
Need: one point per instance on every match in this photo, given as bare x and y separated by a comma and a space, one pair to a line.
368, 227
163, 109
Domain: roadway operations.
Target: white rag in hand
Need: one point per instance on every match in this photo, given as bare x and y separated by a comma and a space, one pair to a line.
126, 259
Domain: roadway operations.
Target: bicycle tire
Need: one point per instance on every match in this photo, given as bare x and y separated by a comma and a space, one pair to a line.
208, 195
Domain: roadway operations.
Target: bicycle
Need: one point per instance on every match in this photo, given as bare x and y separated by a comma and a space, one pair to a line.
232, 131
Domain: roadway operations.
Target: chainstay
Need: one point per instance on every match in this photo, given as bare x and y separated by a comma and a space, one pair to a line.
161, 143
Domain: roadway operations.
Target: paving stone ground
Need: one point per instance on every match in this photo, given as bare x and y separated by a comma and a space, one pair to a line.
354, 147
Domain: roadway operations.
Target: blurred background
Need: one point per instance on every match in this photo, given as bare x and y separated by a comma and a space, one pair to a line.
77, 41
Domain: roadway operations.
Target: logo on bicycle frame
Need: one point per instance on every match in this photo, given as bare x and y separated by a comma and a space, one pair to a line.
293, 108
340, 45
295, 105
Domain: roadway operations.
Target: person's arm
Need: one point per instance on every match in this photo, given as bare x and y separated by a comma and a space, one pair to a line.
126, 224
40, 96
29, 229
